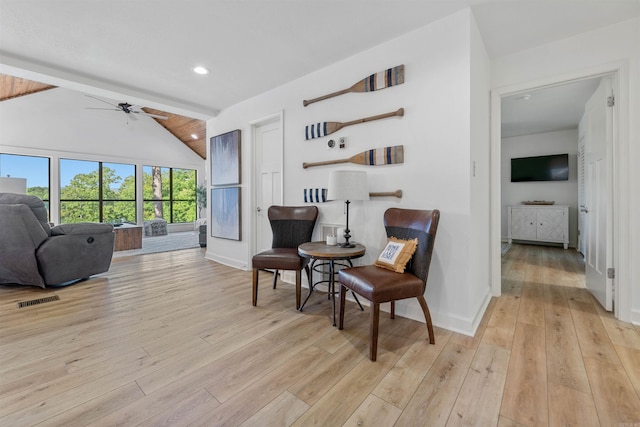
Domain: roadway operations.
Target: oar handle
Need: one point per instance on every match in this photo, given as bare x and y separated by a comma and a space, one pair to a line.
321, 98
397, 193
398, 112
326, 162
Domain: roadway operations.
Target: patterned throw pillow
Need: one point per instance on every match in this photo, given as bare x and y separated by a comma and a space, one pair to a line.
396, 254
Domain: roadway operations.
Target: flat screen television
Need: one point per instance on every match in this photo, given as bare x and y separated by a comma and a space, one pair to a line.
540, 168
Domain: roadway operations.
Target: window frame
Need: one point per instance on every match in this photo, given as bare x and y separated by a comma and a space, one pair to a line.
101, 199
47, 200
171, 200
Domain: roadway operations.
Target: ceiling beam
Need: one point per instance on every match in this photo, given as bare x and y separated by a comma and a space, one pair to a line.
93, 86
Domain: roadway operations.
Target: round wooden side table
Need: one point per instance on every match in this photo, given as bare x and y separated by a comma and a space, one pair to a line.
320, 251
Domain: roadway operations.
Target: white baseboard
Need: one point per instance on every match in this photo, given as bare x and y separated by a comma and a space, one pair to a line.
288, 276
411, 310
235, 263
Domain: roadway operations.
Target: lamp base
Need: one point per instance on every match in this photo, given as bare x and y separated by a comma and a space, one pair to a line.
346, 245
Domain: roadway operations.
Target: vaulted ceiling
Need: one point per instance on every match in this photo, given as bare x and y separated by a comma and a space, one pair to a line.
191, 132
13, 87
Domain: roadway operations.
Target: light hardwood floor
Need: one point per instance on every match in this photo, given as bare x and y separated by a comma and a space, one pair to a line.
172, 339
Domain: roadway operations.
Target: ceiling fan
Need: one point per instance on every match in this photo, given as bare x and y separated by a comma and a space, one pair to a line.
129, 109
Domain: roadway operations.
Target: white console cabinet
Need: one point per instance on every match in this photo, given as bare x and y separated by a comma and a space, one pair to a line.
539, 223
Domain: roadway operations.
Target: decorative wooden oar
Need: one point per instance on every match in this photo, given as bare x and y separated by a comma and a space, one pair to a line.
381, 80
321, 129
397, 193
373, 157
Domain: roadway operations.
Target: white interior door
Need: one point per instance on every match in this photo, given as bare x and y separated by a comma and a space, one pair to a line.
598, 192
268, 172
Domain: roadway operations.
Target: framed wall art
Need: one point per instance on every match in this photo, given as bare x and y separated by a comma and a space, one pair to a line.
225, 158
225, 213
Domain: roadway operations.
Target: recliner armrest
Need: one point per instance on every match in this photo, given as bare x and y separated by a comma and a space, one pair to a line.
82, 253
82, 228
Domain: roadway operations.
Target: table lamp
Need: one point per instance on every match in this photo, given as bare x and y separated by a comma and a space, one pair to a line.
347, 186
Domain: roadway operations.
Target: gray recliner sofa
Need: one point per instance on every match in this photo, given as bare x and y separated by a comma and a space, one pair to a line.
33, 253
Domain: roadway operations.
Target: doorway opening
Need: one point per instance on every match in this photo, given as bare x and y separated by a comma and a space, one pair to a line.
539, 133
502, 123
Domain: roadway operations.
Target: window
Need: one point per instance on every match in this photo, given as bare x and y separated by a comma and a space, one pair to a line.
169, 193
97, 192
119, 192
34, 169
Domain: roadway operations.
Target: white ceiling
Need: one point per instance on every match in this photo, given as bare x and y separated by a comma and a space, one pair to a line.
546, 110
145, 49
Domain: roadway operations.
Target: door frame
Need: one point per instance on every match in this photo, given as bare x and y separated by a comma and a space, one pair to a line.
621, 171
253, 125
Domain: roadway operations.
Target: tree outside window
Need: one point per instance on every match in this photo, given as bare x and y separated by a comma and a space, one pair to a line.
169, 194
97, 192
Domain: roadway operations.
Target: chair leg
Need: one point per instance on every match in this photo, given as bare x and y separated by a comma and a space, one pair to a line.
427, 318
342, 294
275, 278
392, 312
373, 331
298, 288
255, 287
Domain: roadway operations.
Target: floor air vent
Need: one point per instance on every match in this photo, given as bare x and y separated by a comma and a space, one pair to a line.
29, 303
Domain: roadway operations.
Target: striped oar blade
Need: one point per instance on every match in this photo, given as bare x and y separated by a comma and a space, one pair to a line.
315, 130
382, 156
384, 79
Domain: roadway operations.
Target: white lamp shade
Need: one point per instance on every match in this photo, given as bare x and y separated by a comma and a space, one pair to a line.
348, 185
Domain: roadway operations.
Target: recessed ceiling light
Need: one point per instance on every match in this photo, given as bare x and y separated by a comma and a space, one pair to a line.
524, 97
194, 136
200, 70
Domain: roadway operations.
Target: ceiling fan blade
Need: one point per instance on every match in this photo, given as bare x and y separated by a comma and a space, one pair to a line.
102, 100
126, 108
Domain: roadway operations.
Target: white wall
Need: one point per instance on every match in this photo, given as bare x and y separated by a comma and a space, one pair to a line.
561, 192
480, 247
615, 46
56, 124
435, 132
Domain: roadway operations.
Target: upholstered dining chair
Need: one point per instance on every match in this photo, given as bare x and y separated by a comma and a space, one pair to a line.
291, 226
380, 285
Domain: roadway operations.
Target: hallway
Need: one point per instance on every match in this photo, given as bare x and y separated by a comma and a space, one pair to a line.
562, 344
